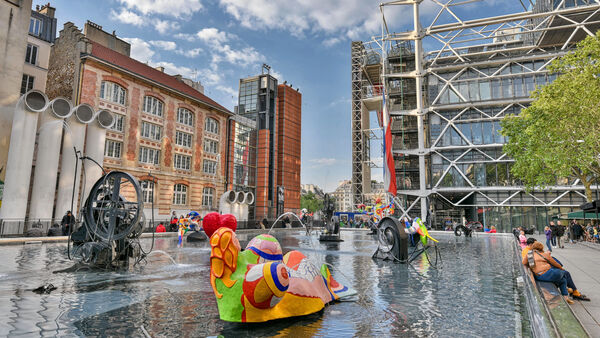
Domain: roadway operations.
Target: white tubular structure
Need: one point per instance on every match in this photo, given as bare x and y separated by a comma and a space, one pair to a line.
73, 141
46, 163
226, 201
20, 159
94, 149
248, 200
237, 206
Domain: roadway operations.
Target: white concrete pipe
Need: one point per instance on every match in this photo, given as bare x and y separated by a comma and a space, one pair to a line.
94, 149
73, 140
46, 163
20, 159
237, 206
248, 200
226, 201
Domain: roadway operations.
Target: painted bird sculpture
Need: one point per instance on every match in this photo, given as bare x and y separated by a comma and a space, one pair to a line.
259, 283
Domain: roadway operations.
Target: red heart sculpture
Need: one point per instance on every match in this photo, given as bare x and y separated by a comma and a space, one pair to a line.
213, 221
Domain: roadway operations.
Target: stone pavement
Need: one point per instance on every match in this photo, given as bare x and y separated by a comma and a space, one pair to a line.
582, 260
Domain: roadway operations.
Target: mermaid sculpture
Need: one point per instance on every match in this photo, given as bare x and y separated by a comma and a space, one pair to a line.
259, 283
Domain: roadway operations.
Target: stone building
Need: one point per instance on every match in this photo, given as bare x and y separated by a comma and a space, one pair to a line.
166, 133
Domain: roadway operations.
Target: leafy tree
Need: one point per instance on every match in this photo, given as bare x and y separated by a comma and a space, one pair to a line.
559, 134
310, 202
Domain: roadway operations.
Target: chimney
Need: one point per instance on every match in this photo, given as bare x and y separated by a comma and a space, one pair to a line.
47, 10
160, 68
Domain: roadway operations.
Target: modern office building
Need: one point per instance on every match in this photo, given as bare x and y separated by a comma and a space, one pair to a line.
271, 128
446, 106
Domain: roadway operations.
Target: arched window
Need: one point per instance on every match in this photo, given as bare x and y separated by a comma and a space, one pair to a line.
147, 191
211, 125
185, 116
112, 92
208, 195
180, 194
153, 106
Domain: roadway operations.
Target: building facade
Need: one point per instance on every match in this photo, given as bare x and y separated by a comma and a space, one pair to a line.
167, 134
273, 130
446, 106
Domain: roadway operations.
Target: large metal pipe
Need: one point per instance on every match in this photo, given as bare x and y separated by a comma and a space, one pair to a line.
94, 149
225, 202
69, 170
46, 163
248, 200
20, 159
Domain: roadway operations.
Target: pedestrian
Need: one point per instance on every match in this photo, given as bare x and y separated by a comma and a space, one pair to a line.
68, 221
553, 229
560, 232
548, 233
173, 222
161, 227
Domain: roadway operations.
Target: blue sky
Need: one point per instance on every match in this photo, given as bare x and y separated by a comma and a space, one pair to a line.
306, 42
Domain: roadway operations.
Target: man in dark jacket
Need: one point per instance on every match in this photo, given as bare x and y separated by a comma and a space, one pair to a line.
560, 231
67, 222
554, 230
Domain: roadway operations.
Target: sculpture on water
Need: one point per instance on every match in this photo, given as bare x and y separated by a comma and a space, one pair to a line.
259, 283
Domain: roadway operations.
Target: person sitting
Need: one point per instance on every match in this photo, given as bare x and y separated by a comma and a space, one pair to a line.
161, 228
522, 240
493, 230
55, 230
546, 269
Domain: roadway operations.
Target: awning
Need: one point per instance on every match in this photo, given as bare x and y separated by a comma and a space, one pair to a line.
580, 215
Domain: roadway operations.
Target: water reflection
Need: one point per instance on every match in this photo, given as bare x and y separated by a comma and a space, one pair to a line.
472, 293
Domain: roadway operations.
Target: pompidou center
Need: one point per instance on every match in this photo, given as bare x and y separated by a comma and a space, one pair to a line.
448, 83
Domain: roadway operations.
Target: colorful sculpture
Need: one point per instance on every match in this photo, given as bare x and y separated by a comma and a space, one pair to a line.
260, 283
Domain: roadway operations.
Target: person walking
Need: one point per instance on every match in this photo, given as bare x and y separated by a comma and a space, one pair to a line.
548, 233
68, 221
560, 232
553, 237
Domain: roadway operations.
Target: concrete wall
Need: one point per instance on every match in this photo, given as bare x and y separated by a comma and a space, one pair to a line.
14, 25
95, 33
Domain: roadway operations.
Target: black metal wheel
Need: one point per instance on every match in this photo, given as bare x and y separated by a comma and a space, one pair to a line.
108, 215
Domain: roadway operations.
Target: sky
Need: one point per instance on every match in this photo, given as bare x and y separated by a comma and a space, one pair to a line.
306, 43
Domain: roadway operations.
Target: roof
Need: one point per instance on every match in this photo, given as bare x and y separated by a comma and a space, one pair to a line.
144, 70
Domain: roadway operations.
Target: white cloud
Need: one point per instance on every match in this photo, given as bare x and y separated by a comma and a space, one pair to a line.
173, 69
323, 162
185, 36
277, 75
164, 26
331, 42
140, 49
232, 92
127, 17
214, 36
175, 8
166, 45
189, 53
242, 57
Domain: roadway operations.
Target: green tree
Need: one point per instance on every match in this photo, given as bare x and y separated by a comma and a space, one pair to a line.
559, 134
310, 202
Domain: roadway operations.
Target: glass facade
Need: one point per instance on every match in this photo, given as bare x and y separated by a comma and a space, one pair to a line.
248, 97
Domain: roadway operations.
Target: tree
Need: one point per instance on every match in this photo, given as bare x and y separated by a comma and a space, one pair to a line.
310, 202
559, 134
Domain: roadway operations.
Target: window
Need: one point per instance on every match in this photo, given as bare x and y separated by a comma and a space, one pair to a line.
112, 149
147, 191
180, 194
35, 26
211, 146
182, 162
31, 54
183, 139
151, 131
185, 116
209, 167
208, 197
119, 123
149, 155
153, 106
211, 125
112, 92
26, 83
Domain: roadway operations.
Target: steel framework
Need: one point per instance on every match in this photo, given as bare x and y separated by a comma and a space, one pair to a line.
506, 54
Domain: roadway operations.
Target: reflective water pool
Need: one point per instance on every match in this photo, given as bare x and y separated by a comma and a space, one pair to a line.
472, 293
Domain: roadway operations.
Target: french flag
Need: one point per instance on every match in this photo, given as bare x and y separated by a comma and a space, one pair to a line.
389, 169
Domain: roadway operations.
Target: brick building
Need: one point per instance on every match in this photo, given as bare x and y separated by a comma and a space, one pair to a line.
166, 133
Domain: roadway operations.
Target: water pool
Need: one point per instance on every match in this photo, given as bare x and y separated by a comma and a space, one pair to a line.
473, 292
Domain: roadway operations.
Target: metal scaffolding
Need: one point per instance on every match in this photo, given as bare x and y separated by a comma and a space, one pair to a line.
446, 104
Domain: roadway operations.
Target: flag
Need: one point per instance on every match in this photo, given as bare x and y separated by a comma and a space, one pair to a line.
389, 169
